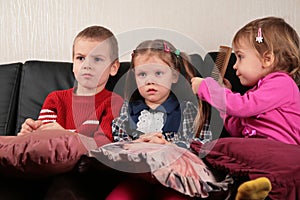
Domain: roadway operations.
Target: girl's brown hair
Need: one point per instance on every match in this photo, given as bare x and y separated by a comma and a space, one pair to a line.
100, 33
279, 38
178, 61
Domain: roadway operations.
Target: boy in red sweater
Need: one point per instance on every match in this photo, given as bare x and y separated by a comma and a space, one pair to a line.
88, 108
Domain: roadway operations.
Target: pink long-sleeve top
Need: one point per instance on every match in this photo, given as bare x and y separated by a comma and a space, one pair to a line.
270, 109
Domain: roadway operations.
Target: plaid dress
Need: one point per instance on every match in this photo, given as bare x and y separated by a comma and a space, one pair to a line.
185, 135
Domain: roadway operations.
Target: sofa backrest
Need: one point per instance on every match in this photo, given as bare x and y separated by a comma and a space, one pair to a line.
28, 84
198, 63
116, 83
9, 88
39, 78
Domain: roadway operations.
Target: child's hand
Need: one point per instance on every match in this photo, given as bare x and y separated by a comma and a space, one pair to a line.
196, 81
152, 138
29, 126
227, 84
50, 126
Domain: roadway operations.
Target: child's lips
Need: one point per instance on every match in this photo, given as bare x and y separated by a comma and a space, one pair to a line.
87, 75
151, 90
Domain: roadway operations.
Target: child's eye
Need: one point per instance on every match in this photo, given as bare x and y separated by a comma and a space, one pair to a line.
96, 59
239, 56
142, 74
159, 73
81, 58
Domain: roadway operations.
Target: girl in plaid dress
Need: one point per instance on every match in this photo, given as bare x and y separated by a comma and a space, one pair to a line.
159, 104
161, 108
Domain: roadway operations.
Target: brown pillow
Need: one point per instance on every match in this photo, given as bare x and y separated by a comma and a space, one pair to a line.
40, 154
257, 157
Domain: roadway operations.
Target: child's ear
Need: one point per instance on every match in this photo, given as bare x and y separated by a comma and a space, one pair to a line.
268, 59
114, 68
175, 76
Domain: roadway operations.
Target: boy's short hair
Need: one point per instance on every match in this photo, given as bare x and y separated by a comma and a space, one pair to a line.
100, 33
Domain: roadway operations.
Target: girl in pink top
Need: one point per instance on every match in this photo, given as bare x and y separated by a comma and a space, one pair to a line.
268, 60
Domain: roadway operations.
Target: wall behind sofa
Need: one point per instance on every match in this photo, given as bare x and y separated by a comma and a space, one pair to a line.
44, 29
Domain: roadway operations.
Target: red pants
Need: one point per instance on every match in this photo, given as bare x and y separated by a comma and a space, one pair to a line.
137, 189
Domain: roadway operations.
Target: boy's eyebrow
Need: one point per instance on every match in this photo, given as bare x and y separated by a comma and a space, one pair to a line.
97, 55
92, 55
78, 54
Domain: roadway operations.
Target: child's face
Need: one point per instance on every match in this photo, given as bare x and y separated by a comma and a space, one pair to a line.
249, 67
92, 65
154, 79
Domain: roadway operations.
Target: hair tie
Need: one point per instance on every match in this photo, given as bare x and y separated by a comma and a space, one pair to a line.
259, 37
177, 52
166, 48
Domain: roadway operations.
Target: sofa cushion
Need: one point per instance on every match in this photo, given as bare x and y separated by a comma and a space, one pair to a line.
9, 81
38, 79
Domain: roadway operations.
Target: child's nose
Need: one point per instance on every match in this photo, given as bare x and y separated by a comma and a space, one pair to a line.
86, 67
150, 80
86, 64
235, 66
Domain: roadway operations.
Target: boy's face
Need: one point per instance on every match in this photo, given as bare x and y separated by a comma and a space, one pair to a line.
92, 65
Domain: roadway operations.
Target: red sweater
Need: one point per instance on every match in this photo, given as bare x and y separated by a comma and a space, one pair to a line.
87, 115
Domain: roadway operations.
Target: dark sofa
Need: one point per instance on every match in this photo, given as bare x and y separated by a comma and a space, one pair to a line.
24, 86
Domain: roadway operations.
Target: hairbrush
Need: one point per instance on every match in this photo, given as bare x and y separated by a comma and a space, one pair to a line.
221, 63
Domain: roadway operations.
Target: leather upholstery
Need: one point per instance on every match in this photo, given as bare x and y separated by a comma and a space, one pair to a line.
9, 81
38, 79
25, 86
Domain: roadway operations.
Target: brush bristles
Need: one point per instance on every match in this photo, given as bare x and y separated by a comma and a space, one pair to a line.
221, 63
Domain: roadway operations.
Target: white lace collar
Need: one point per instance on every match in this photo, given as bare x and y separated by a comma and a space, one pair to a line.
150, 122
